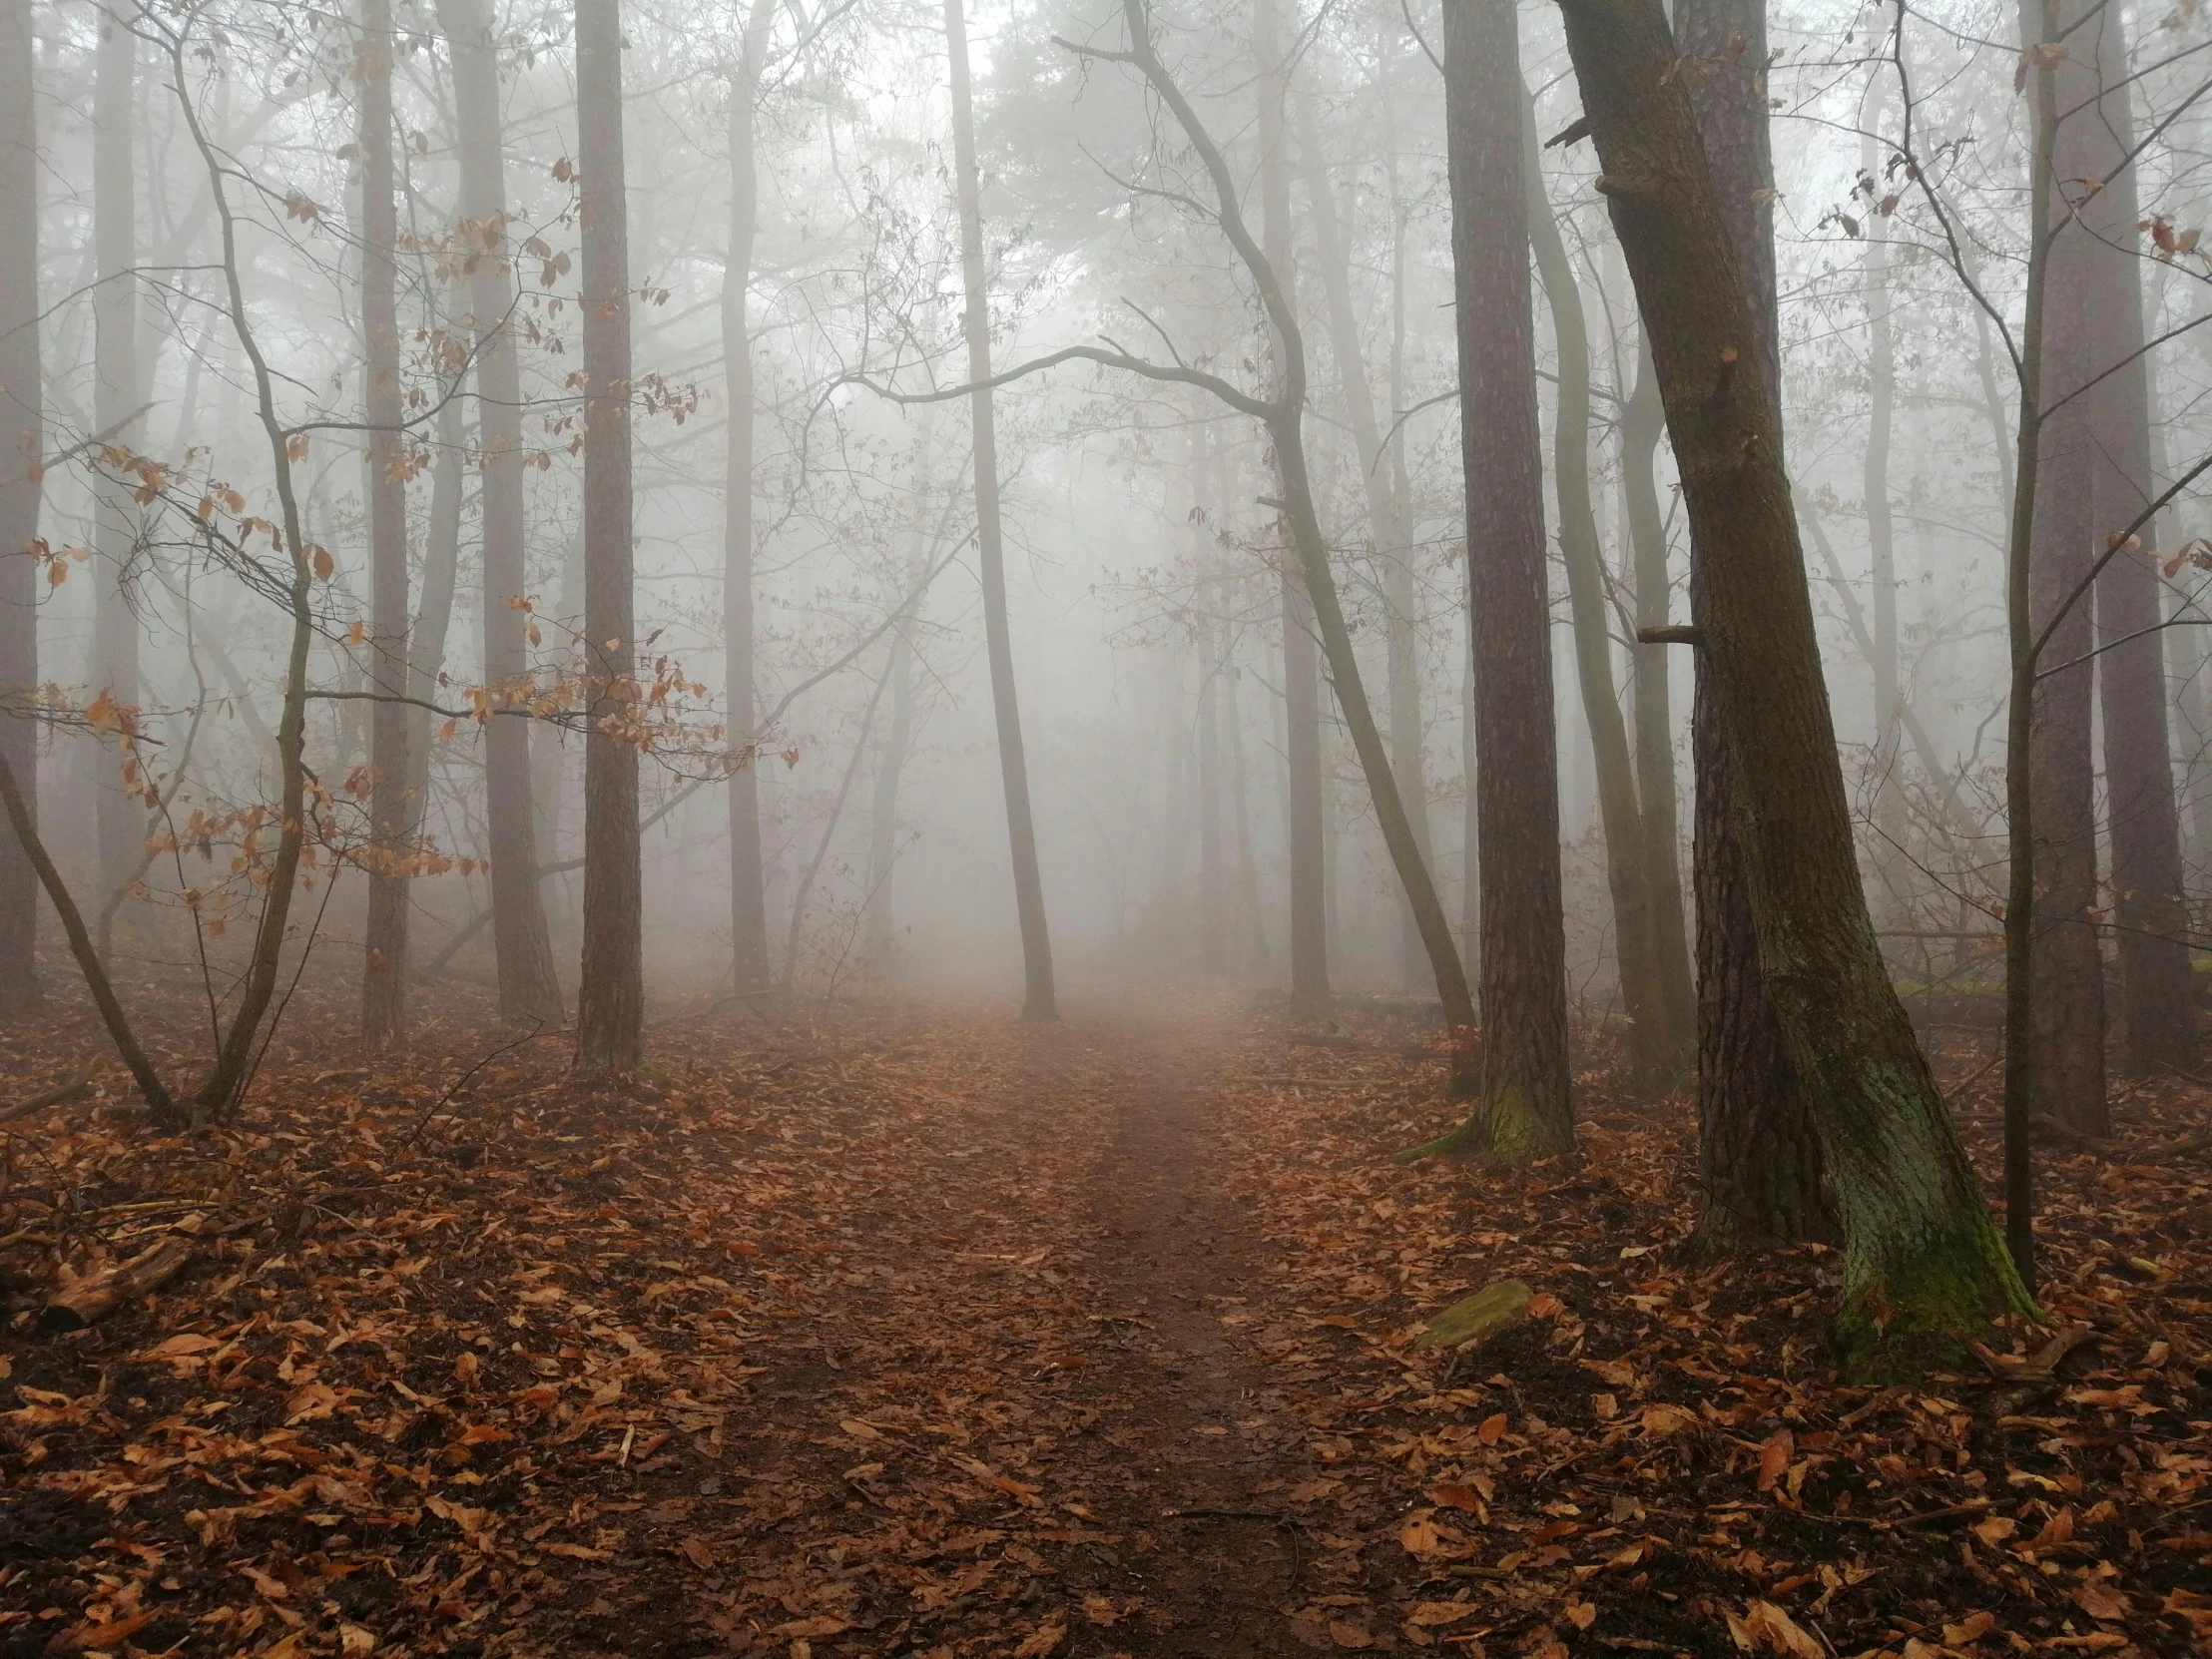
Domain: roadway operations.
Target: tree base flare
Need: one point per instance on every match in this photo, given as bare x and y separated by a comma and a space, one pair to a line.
1916, 1311
1505, 1132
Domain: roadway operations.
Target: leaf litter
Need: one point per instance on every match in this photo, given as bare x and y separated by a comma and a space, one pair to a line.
901, 1330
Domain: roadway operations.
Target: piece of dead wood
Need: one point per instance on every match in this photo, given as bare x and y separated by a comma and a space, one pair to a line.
61, 1094
2053, 1129
1353, 1045
81, 1301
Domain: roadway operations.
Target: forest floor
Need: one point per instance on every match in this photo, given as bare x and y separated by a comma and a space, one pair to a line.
903, 1330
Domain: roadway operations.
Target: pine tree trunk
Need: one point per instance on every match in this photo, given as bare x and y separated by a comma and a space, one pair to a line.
1925, 1266
385, 974
2157, 989
609, 1007
1659, 1050
522, 946
1525, 1109
119, 819
1759, 1156
2066, 980
22, 446
748, 880
1039, 998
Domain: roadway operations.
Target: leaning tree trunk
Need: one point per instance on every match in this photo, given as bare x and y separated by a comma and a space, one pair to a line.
2158, 988
1659, 1048
1039, 1000
1525, 1109
2066, 979
119, 819
522, 946
748, 880
1759, 1156
1925, 1267
384, 972
610, 1007
22, 444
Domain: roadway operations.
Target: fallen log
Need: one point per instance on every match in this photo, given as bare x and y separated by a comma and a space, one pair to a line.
81, 1301
77, 1088
2111, 1151
1353, 1045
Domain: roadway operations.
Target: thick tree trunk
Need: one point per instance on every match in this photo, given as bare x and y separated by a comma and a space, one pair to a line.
119, 818
529, 984
1659, 1047
2066, 979
1039, 999
1925, 1267
384, 972
610, 1007
1525, 1109
2158, 988
1310, 990
1759, 1156
22, 446
748, 880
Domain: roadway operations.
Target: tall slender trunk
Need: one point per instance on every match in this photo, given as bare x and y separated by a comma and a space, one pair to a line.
2067, 978
1759, 1155
2157, 989
748, 880
120, 822
891, 766
1659, 1037
1385, 515
1889, 861
1525, 1108
1213, 942
522, 946
385, 974
1310, 990
1039, 1000
1923, 1267
610, 1005
1253, 928
433, 620
22, 444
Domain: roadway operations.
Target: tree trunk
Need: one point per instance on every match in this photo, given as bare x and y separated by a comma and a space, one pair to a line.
2158, 988
529, 984
1039, 1000
610, 1007
2067, 978
1925, 1267
22, 448
120, 822
890, 764
385, 974
748, 880
1213, 886
1659, 1047
1759, 1155
1254, 926
433, 621
1889, 861
1525, 1109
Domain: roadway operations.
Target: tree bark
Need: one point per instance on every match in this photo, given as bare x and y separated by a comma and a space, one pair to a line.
2157, 989
1925, 1267
1039, 999
1525, 1109
1659, 1047
384, 972
522, 946
748, 880
1889, 861
22, 448
1759, 1155
119, 819
609, 1007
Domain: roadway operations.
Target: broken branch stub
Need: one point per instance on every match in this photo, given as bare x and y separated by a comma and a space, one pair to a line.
1484, 1314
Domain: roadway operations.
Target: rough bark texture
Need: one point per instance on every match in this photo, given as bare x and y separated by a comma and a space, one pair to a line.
1525, 1109
529, 984
384, 971
748, 880
1659, 1050
2068, 977
1924, 1264
2157, 989
22, 443
120, 820
610, 1007
1039, 1000
1758, 1155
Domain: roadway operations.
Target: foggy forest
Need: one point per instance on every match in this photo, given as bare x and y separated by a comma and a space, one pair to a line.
849, 827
